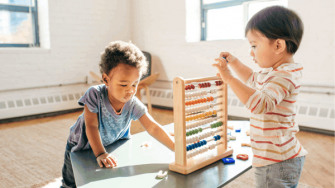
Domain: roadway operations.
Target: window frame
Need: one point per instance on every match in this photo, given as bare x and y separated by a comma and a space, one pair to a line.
25, 9
204, 8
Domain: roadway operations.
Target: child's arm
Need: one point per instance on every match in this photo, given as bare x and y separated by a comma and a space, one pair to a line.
157, 131
93, 136
242, 71
242, 91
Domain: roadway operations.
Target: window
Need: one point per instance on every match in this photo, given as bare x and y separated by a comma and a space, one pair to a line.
226, 19
18, 23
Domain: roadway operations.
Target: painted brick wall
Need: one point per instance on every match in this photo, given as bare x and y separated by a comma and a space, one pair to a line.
79, 30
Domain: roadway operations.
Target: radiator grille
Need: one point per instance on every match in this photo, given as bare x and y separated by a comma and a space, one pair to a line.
40, 101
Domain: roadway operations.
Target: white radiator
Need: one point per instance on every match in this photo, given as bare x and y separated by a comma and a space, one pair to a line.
27, 102
312, 110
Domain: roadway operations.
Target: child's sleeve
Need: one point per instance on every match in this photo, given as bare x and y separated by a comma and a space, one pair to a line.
90, 98
251, 82
275, 89
139, 109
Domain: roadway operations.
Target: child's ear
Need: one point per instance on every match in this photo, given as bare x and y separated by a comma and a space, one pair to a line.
105, 78
280, 46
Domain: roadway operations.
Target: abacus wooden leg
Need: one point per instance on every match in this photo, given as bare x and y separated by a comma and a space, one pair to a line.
196, 164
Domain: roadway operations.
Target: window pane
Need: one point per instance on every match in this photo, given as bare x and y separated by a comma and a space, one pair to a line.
15, 27
16, 2
213, 1
225, 23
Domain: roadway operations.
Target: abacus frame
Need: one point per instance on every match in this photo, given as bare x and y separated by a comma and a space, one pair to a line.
182, 164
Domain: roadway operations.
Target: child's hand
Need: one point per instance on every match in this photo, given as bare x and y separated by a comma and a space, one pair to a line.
107, 160
229, 58
224, 71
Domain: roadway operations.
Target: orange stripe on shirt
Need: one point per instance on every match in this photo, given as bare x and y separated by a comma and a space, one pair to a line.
290, 101
274, 151
269, 142
262, 136
296, 153
269, 129
278, 114
272, 121
284, 108
295, 70
269, 159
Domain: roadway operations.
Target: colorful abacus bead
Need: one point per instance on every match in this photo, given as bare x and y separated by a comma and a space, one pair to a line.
189, 87
218, 83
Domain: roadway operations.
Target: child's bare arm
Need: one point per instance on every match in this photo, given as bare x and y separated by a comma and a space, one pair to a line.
93, 136
157, 131
242, 71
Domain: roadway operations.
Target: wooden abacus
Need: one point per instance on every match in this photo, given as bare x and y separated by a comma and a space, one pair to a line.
198, 141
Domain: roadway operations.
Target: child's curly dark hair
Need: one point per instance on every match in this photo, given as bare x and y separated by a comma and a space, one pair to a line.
122, 52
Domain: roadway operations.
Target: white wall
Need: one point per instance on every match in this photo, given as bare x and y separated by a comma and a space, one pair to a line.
159, 27
74, 32
79, 30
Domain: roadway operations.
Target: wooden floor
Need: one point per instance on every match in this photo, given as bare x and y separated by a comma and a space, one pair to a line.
318, 169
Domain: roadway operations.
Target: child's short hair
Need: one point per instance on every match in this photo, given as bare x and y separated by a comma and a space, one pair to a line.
278, 22
122, 52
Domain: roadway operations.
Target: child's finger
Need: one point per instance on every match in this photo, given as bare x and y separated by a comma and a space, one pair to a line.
104, 161
110, 162
224, 54
100, 164
113, 161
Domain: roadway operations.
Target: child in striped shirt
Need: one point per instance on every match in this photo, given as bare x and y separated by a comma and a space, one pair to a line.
274, 34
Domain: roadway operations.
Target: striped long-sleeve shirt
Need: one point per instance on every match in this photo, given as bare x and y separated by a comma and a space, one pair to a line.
273, 111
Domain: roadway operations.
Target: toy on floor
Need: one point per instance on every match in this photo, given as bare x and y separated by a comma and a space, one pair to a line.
200, 123
161, 174
146, 144
228, 160
242, 156
246, 144
247, 132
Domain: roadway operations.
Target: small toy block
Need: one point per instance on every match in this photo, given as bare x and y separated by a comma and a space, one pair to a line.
242, 156
228, 160
231, 137
238, 130
245, 144
247, 132
161, 174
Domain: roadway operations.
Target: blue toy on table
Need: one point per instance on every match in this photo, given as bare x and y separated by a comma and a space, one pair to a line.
228, 160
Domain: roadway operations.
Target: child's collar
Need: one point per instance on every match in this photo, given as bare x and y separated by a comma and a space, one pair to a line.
266, 70
284, 66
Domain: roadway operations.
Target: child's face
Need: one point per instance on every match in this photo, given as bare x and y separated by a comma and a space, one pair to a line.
122, 83
262, 50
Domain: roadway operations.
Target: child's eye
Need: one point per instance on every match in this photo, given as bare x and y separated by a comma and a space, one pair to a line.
253, 47
123, 85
